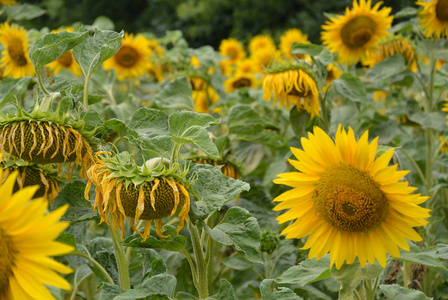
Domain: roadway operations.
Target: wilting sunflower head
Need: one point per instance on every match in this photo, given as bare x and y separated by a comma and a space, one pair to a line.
290, 36
15, 59
240, 80
26, 266
260, 42
347, 201
132, 60
232, 49
66, 61
292, 84
30, 175
356, 33
150, 192
397, 45
434, 18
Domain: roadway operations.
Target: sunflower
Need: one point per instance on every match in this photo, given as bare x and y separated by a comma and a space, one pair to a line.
292, 84
349, 203
247, 65
150, 192
240, 80
29, 175
15, 59
333, 73
155, 70
434, 18
260, 42
445, 109
155, 47
232, 49
289, 37
228, 169
444, 147
7, 2
265, 57
203, 99
27, 241
132, 60
66, 61
356, 33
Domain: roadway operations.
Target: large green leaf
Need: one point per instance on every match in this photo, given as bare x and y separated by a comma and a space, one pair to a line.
12, 89
350, 86
148, 122
162, 284
240, 230
435, 257
190, 127
173, 243
99, 46
52, 45
391, 66
396, 292
175, 95
310, 49
269, 292
435, 120
225, 292
307, 271
25, 11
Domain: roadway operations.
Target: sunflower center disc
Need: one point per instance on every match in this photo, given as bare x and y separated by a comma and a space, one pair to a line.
6, 261
66, 59
442, 10
127, 57
16, 52
241, 83
358, 32
349, 199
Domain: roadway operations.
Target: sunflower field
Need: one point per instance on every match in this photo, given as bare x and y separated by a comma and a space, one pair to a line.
134, 166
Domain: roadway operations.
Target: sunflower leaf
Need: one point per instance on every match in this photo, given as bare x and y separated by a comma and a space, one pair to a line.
396, 292
240, 230
53, 45
148, 122
310, 49
391, 66
308, 271
95, 49
269, 292
226, 291
25, 11
12, 89
435, 257
173, 243
350, 86
175, 95
161, 284
110, 291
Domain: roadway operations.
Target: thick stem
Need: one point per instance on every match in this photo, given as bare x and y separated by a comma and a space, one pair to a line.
202, 267
86, 92
210, 263
120, 256
194, 273
407, 274
41, 84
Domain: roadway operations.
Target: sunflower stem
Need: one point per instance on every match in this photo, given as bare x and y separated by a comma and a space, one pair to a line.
193, 269
86, 92
414, 163
202, 267
97, 264
120, 256
41, 84
322, 102
407, 274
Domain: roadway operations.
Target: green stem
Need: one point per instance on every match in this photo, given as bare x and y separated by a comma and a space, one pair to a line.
414, 163
76, 287
93, 261
193, 269
86, 92
434, 157
202, 267
41, 84
428, 161
322, 102
210, 263
407, 274
122, 264
369, 291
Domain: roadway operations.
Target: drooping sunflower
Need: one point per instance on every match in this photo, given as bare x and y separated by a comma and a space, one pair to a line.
150, 192
292, 84
155, 47
240, 80
356, 33
27, 242
290, 36
434, 18
66, 61
348, 202
29, 175
132, 60
15, 60
232, 49
260, 42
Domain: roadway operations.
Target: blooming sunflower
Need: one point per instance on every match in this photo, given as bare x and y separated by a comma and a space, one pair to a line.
66, 61
349, 203
132, 60
265, 57
150, 192
444, 146
260, 42
292, 84
333, 73
290, 36
247, 66
15, 59
434, 18
445, 109
240, 80
27, 240
356, 33
7, 2
203, 99
233, 49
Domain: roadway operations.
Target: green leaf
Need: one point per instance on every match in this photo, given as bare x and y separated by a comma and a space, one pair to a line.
104, 23
185, 296
11, 89
310, 49
175, 95
25, 11
435, 257
237, 263
307, 271
162, 284
67, 238
136, 293
298, 120
158, 146
148, 122
350, 86
190, 127
391, 66
214, 188
99, 46
225, 292
406, 12
396, 292
120, 128
240, 230
52, 45
269, 292
110, 291
173, 243
435, 120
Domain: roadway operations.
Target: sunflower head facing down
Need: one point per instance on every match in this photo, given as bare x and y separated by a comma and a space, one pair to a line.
27, 243
15, 60
292, 84
150, 192
434, 18
356, 33
132, 60
348, 202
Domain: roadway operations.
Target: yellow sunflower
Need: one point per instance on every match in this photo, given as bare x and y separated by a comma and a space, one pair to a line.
356, 33
27, 241
445, 109
333, 73
347, 202
240, 80
132, 60
153, 44
15, 59
203, 99
444, 146
247, 66
434, 18
265, 57
290, 36
232, 49
292, 84
7, 2
260, 42
66, 61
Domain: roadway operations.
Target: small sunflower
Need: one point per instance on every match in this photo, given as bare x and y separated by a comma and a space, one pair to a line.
228, 169
292, 84
260, 42
155, 70
8, 2
232, 49
265, 57
66, 61
240, 80
333, 73
349, 203
445, 109
226, 67
247, 65
155, 47
356, 33
434, 18
390, 47
444, 146
15, 59
27, 242
150, 192
132, 60
289, 37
